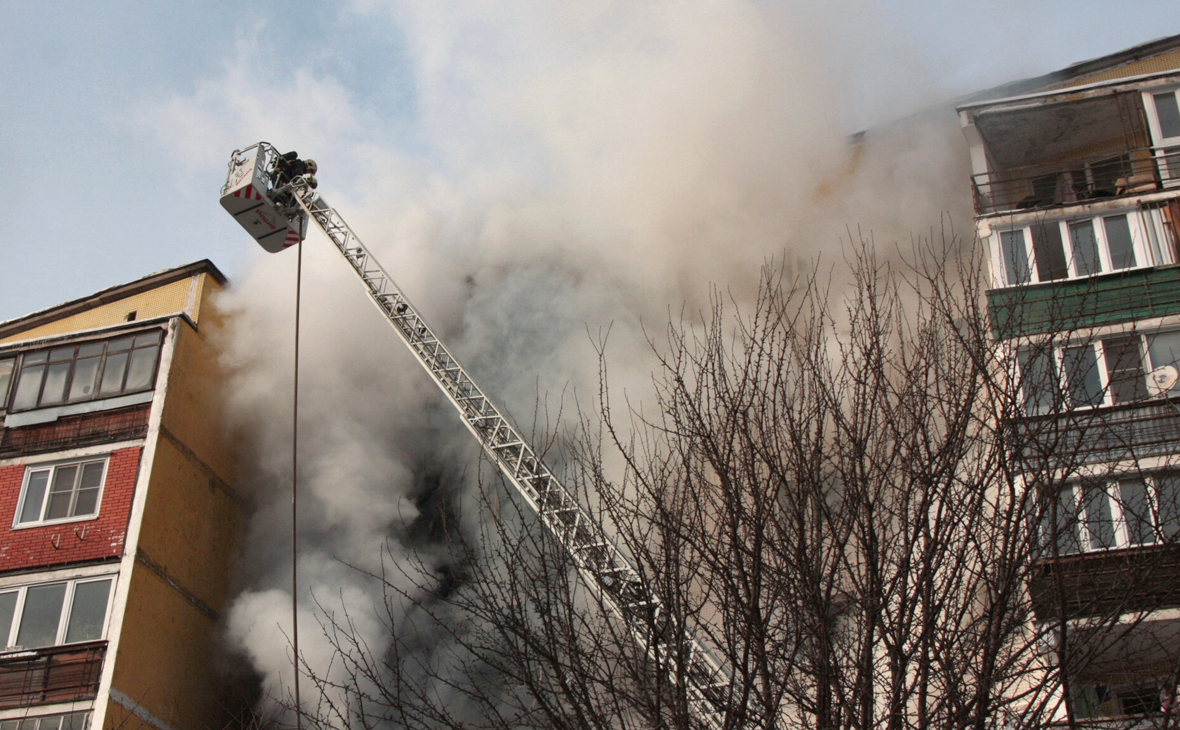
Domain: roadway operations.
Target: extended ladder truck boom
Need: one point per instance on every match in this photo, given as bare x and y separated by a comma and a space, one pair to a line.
274, 200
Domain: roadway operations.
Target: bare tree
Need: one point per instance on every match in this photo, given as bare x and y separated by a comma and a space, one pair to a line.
853, 495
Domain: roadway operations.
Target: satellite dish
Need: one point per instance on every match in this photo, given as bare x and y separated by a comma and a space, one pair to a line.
1162, 379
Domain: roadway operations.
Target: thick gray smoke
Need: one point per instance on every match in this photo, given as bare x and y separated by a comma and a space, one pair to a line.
562, 171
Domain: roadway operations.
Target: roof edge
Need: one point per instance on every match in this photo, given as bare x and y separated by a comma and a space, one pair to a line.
1081, 68
108, 295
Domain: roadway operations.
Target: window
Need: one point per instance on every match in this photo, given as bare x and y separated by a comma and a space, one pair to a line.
6, 365
1062, 249
68, 721
73, 373
1122, 512
49, 614
1120, 700
1165, 131
1106, 371
61, 492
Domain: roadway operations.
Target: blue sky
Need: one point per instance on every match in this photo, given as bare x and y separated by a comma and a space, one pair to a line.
118, 116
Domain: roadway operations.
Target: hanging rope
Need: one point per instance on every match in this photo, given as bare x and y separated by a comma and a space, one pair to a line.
295, 492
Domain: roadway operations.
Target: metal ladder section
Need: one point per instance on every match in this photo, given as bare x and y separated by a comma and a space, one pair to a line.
603, 566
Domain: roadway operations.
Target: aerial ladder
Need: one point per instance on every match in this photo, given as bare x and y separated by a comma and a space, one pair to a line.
273, 197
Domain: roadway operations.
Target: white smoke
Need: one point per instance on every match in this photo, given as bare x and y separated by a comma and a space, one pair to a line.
562, 169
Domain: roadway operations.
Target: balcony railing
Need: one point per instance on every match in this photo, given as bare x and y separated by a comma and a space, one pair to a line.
1078, 180
1107, 583
1099, 435
1094, 301
52, 674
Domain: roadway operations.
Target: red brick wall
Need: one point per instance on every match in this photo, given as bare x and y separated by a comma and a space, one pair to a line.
38, 547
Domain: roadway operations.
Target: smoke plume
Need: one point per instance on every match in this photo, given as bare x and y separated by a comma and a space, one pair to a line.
551, 171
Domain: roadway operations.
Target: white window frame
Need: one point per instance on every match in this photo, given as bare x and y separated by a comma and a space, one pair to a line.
16, 722
1098, 346
1139, 241
1153, 119
1122, 533
63, 621
53, 466
1163, 146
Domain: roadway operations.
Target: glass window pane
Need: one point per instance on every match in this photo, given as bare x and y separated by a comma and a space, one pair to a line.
143, 366
1168, 113
42, 614
62, 492
28, 387
86, 503
1167, 493
1136, 511
5, 379
74, 721
1066, 521
1099, 525
1085, 248
123, 343
28, 724
91, 350
62, 354
34, 496
1038, 380
34, 358
112, 374
148, 338
7, 611
55, 383
1124, 367
89, 611
92, 475
1015, 257
1048, 251
1164, 349
85, 372
1082, 377
10, 725
1118, 241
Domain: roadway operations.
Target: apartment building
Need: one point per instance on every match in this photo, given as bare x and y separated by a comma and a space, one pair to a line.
116, 489
1077, 198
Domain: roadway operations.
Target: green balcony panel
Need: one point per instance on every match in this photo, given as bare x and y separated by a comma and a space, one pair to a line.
1070, 304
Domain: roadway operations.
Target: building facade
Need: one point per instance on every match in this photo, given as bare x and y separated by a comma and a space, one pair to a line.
116, 489
1077, 198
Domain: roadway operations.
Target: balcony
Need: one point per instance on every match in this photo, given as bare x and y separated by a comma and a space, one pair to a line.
1107, 583
1076, 181
52, 674
72, 432
1068, 304
1099, 435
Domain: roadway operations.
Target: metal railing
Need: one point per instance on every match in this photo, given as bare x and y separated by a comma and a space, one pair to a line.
51, 674
1099, 435
1078, 180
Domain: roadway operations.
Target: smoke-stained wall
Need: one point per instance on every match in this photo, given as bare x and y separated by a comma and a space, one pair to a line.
548, 175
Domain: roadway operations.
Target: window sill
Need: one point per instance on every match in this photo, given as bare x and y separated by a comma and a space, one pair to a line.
48, 415
54, 523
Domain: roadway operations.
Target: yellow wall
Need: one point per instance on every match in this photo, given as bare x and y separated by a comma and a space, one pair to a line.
1155, 64
169, 298
189, 531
